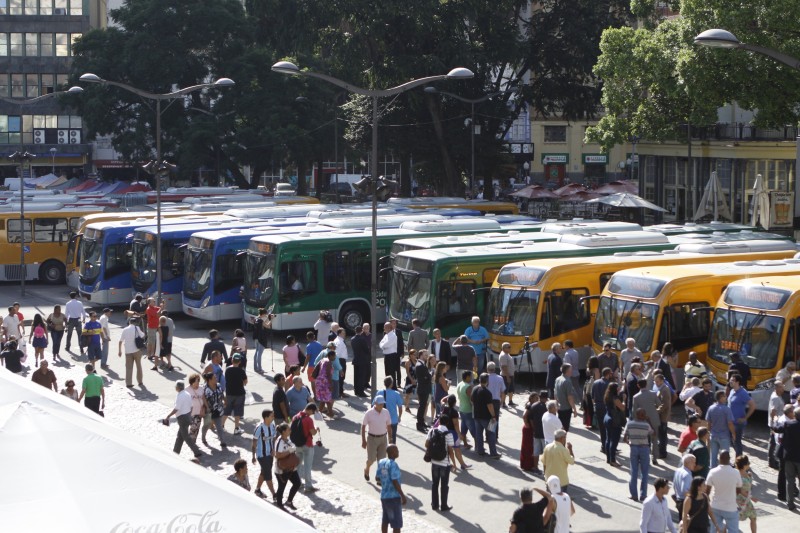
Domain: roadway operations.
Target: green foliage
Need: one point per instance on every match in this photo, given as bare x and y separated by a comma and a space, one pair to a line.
656, 79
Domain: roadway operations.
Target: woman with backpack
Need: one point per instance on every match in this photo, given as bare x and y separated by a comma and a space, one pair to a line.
285, 467
448, 420
38, 337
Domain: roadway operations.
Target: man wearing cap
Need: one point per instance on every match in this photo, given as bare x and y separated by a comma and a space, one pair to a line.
375, 428
133, 355
76, 314
183, 410
105, 337
235, 382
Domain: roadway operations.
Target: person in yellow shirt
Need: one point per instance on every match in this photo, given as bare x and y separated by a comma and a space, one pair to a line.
557, 457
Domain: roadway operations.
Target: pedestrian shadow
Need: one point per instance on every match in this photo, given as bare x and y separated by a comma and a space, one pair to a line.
588, 501
143, 394
605, 473
326, 505
110, 374
322, 456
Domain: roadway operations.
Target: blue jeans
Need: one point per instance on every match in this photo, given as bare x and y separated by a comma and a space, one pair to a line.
393, 440
737, 439
481, 362
481, 425
467, 424
640, 462
718, 444
257, 357
612, 442
730, 518
306, 454
441, 479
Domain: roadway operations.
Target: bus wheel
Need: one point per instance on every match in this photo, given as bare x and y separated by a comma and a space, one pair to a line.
52, 273
353, 315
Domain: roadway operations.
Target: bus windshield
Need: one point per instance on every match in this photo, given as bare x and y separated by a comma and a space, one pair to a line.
259, 278
72, 246
144, 263
755, 336
619, 319
92, 252
410, 295
197, 272
512, 311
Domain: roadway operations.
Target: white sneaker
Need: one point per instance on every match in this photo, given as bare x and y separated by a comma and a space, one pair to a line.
238, 431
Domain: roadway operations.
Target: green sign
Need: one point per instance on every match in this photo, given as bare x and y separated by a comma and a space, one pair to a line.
595, 159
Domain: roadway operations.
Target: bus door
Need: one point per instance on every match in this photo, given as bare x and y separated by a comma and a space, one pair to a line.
686, 325
792, 349
562, 313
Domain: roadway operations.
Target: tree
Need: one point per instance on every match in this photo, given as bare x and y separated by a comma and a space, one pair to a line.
655, 79
158, 45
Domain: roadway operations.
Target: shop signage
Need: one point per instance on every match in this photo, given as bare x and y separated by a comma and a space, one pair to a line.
555, 159
595, 159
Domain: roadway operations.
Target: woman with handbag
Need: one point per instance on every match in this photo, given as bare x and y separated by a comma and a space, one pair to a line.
696, 509
38, 337
285, 467
291, 354
614, 421
56, 322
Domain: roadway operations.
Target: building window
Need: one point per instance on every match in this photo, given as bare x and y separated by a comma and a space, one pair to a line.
31, 44
61, 7
32, 85
30, 7
16, 44
45, 7
3, 44
61, 81
76, 7
17, 86
4, 86
72, 38
62, 45
47, 84
46, 45
15, 7
555, 134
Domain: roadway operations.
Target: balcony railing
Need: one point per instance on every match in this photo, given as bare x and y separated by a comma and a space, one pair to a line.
741, 132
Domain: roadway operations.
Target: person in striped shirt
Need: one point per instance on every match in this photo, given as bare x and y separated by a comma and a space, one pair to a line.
638, 433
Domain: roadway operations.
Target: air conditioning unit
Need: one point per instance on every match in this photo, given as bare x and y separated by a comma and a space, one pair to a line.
63, 136
60, 11
38, 136
74, 136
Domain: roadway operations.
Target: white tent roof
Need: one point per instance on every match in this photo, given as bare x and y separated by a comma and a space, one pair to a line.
75, 472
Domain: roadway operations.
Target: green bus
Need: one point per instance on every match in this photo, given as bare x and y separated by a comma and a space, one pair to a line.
445, 287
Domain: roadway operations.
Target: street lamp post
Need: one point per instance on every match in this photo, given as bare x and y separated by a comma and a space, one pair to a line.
286, 67
53, 161
20, 157
473, 129
159, 164
717, 38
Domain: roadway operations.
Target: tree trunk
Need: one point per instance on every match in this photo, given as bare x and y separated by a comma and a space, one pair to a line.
405, 174
302, 185
448, 187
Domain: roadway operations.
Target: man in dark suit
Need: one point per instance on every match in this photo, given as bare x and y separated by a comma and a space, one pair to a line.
790, 445
441, 348
362, 359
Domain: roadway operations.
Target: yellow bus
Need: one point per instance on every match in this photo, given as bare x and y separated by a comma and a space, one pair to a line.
548, 300
760, 319
654, 305
47, 232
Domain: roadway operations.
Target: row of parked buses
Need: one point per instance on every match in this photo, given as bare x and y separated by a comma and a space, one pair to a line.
540, 282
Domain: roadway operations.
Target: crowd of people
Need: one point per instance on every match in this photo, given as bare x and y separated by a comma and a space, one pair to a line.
460, 395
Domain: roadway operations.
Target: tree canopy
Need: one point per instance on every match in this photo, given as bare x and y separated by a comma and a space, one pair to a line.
656, 80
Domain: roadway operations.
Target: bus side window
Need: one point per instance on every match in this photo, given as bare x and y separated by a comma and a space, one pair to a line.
455, 298
546, 329
604, 280
14, 233
337, 271
362, 271
50, 229
687, 329
790, 352
298, 277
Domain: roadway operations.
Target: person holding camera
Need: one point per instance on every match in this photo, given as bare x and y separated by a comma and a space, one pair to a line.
261, 336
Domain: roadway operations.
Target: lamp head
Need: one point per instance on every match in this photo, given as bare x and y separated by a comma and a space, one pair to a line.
459, 73
224, 82
431, 90
301, 100
717, 38
363, 185
383, 188
285, 67
91, 78
75, 90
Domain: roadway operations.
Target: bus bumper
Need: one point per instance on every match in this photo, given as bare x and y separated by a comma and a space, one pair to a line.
214, 313
108, 296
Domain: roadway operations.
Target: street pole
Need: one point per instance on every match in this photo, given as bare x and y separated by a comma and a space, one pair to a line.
286, 67
335, 152
157, 98
472, 149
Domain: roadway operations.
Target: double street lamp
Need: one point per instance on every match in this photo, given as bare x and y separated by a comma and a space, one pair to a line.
158, 167
717, 38
286, 67
474, 130
23, 158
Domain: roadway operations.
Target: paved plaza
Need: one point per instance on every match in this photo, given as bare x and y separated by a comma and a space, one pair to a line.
483, 498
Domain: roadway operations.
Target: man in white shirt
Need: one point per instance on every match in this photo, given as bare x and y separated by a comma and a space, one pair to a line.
344, 356
76, 315
507, 370
183, 410
690, 388
656, 516
627, 355
11, 325
105, 336
376, 430
133, 355
550, 422
722, 481
572, 357
776, 405
391, 359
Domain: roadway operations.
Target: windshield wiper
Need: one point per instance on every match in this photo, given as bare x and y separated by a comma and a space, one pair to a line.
747, 329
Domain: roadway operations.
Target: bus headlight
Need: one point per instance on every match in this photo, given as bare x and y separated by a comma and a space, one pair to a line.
765, 385
204, 303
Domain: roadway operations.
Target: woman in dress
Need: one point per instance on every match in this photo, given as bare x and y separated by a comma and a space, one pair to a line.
198, 405
696, 510
291, 354
38, 337
324, 382
441, 387
744, 498
56, 322
165, 341
239, 345
614, 421
283, 447
526, 448
410, 386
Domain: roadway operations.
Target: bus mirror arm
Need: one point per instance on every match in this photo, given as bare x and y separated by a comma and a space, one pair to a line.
479, 289
699, 309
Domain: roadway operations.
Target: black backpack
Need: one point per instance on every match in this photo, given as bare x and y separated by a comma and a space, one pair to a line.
296, 433
438, 445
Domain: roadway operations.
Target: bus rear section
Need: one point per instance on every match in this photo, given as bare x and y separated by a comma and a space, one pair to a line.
758, 318
671, 304
554, 300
